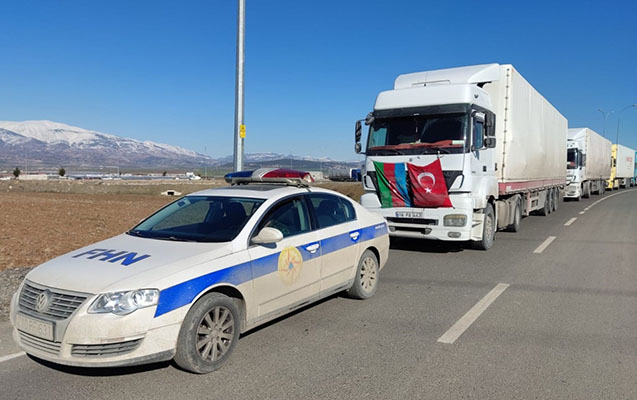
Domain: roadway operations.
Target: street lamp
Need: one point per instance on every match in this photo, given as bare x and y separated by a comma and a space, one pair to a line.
619, 117
605, 114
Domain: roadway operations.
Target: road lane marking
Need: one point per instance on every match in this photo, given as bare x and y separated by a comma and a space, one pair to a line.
11, 356
544, 244
570, 221
581, 212
470, 317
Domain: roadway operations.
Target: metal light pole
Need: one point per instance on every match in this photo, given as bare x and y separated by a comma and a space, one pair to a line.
239, 127
619, 118
605, 114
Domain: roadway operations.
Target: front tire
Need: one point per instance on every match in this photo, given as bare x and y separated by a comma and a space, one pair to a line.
366, 280
208, 334
488, 230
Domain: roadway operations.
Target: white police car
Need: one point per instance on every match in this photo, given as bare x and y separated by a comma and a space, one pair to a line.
186, 281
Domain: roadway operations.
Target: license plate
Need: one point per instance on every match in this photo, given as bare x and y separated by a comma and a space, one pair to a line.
35, 327
409, 214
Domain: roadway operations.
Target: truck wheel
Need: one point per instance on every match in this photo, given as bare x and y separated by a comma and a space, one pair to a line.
366, 279
546, 210
488, 231
208, 334
587, 190
517, 217
556, 199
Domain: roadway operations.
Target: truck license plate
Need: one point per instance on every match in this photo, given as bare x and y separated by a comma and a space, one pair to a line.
409, 214
35, 327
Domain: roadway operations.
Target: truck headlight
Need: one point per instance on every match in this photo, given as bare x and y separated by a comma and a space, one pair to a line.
454, 220
122, 303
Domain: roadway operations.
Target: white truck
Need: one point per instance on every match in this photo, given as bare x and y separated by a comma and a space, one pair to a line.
500, 144
588, 163
622, 174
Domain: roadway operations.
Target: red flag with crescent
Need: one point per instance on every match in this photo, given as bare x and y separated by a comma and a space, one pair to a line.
428, 185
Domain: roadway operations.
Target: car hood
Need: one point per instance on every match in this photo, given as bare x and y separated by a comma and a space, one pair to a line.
123, 262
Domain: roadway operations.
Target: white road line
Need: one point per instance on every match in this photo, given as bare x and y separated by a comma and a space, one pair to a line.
11, 356
582, 212
544, 244
470, 317
570, 221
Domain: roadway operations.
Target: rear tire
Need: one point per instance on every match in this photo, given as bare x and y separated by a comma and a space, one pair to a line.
366, 280
488, 231
556, 199
208, 334
517, 218
546, 210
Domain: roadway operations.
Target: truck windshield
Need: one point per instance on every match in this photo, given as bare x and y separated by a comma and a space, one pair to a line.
571, 158
418, 134
199, 219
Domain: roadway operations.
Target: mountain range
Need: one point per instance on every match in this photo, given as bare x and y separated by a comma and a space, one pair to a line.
47, 144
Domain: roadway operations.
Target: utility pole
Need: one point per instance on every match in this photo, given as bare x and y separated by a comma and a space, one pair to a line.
239, 127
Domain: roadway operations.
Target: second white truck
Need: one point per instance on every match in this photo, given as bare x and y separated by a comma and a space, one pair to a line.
588, 163
455, 154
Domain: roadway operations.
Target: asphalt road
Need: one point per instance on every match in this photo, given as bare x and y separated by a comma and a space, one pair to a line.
565, 327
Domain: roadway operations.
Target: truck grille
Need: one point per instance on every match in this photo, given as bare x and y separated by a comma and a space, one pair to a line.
37, 343
61, 304
104, 350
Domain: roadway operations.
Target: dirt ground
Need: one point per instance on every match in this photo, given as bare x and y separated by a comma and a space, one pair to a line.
35, 227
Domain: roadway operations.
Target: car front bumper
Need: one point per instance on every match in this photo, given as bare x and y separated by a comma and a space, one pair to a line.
100, 340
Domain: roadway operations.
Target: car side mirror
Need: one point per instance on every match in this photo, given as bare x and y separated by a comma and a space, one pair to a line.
268, 235
489, 142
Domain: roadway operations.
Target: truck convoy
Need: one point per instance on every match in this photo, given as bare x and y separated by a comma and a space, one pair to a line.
455, 154
588, 163
622, 173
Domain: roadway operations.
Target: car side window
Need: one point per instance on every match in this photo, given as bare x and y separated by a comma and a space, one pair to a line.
290, 216
331, 210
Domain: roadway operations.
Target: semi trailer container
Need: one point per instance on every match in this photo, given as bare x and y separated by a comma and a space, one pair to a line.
455, 154
588, 163
622, 173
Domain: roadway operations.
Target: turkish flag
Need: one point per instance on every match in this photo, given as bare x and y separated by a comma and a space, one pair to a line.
428, 185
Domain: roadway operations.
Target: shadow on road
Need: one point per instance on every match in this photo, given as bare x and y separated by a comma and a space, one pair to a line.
427, 246
101, 372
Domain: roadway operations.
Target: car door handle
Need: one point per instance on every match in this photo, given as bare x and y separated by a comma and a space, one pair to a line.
354, 235
312, 248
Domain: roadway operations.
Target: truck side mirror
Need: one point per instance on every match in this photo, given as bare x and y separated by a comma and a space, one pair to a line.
358, 133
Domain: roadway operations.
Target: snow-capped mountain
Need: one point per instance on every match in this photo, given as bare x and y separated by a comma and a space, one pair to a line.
49, 144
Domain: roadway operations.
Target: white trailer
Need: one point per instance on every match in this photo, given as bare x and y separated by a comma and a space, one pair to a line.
623, 170
588, 163
501, 146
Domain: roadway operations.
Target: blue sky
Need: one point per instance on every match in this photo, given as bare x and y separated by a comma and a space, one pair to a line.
164, 71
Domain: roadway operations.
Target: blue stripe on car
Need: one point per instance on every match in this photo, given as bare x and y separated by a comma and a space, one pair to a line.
184, 293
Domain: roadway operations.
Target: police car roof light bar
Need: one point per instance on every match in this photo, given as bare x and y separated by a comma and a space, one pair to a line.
270, 175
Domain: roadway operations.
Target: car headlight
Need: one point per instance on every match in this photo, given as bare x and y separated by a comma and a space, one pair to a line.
122, 303
455, 220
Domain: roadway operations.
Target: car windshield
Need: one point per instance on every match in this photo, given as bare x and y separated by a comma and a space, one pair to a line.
199, 219
418, 134
571, 159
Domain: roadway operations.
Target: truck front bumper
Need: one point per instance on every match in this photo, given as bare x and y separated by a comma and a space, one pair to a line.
429, 223
572, 191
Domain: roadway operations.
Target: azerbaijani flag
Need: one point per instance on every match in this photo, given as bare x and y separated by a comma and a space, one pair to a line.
392, 184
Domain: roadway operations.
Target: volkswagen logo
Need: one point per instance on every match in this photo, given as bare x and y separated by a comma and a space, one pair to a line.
42, 301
